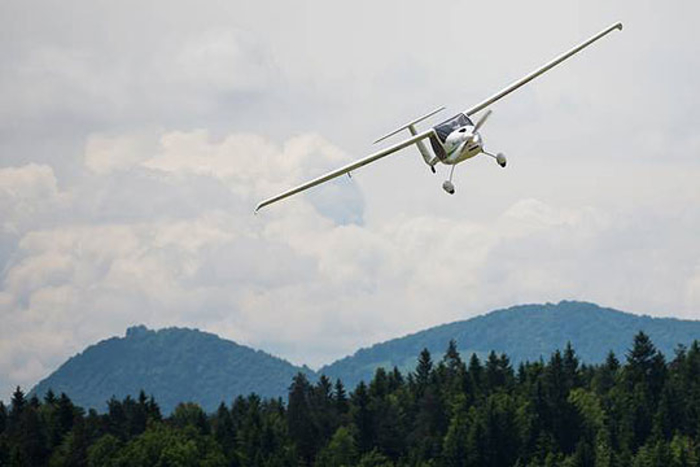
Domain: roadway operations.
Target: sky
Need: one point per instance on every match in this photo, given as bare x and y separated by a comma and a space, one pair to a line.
136, 139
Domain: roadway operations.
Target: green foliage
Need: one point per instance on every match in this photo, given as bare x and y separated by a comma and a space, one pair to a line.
341, 450
640, 413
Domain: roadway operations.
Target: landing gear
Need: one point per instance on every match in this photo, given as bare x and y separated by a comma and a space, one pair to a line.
447, 185
500, 158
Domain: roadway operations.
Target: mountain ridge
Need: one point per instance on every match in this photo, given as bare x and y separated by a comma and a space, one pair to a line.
182, 364
174, 364
546, 327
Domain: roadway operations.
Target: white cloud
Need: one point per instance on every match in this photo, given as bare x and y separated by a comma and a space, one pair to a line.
107, 222
27, 193
105, 153
292, 274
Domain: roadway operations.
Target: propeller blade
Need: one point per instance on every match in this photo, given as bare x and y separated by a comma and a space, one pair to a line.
461, 147
482, 120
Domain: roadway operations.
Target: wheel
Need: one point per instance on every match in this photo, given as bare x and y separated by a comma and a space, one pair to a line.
448, 187
501, 159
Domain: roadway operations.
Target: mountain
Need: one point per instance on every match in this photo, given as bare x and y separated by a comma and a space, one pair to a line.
525, 332
177, 365
174, 365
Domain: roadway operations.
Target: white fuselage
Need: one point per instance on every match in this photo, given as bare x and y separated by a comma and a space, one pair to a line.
462, 144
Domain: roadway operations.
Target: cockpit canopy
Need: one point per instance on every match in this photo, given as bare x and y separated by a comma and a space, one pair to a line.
444, 129
448, 126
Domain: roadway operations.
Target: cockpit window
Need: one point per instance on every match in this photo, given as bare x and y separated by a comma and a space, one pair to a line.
448, 126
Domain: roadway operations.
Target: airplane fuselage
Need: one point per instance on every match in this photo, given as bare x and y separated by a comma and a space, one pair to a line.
462, 144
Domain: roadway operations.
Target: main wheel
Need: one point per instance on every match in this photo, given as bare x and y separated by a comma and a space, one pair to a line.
448, 187
501, 159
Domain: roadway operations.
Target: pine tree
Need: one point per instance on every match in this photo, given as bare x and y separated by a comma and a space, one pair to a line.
3, 418
302, 428
476, 375
452, 359
455, 442
50, 397
340, 397
423, 370
17, 406
65, 413
224, 431
362, 418
341, 450
323, 410
640, 359
571, 367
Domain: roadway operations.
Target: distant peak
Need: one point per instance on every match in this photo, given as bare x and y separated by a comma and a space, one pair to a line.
137, 331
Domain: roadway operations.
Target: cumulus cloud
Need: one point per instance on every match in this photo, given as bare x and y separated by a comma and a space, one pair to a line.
137, 137
294, 279
27, 195
104, 153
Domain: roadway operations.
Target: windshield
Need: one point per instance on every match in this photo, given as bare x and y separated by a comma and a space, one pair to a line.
448, 126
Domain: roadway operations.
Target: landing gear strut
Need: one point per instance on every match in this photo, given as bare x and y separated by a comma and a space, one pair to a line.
447, 185
500, 158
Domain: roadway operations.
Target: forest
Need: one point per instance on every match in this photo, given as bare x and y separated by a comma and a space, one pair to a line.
641, 409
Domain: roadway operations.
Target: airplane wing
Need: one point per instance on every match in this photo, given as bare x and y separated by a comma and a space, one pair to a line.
343, 170
521, 82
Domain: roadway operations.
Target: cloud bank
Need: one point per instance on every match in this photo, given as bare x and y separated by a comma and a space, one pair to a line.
136, 139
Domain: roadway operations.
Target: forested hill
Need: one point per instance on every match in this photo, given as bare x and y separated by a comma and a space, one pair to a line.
525, 332
178, 365
174, 365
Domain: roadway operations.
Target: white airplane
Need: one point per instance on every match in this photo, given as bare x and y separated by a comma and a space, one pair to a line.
453, 141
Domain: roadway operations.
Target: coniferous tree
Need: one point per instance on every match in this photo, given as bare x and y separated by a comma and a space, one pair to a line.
556, 413
423, 370
50, 397
17, 406
302, 427
362, 418
475, 375
341, 450
571, 367
325, 417
341, 398
3, 418
641, 360
224, 432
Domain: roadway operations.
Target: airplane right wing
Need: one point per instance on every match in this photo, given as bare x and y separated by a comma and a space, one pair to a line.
346, 169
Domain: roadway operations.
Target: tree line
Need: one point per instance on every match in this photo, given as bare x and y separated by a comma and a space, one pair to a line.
643, 411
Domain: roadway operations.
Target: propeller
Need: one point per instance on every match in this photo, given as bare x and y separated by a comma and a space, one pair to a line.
482, 120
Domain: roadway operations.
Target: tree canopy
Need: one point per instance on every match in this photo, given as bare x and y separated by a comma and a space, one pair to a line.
639, 410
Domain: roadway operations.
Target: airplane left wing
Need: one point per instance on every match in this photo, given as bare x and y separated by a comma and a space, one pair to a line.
556, 61
348, 168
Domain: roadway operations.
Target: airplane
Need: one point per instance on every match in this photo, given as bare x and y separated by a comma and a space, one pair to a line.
453, 141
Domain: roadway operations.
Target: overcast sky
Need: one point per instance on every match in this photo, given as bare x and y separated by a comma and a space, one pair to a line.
137, 137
